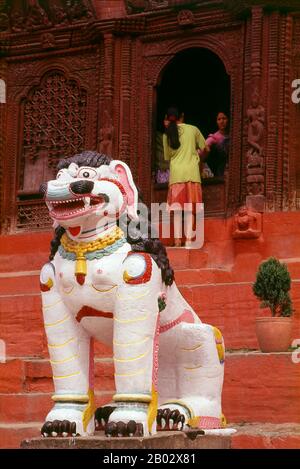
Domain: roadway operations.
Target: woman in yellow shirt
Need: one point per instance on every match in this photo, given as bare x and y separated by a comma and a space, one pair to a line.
181, 142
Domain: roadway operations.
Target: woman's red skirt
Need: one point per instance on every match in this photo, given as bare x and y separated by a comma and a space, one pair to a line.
182, 193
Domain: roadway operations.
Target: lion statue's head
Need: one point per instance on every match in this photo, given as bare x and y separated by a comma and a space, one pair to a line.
91, 192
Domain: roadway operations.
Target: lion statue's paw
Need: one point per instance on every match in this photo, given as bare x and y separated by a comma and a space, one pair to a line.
171, 417
67, 421
128, 421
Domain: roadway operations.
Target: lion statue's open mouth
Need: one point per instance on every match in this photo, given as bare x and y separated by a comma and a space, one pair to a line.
71, 208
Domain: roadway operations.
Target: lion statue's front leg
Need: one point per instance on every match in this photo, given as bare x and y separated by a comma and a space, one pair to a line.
135, 345
70, 358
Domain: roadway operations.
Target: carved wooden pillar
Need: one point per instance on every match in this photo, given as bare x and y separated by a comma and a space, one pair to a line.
286, 177
236, 163
246, 86
135, 74
3, 114
146, 126
107, 130
125, 95
294, 147
256, 118
272, 158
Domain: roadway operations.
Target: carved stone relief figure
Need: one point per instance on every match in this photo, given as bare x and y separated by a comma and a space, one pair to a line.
255, 153
106, 135
246, 224
22, 15
59, 16
80, 9
37, 16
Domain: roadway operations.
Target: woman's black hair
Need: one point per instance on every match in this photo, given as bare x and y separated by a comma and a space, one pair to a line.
172, 129
139, 243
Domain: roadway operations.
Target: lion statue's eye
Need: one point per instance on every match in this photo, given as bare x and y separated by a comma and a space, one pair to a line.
59, 174
87, 173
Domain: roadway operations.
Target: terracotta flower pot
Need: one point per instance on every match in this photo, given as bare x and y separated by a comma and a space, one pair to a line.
274, 334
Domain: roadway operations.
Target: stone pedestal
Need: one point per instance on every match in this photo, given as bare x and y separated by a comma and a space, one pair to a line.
162, 440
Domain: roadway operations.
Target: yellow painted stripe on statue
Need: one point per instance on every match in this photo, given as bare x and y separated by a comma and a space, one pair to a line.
49, 283
56, 323
123, 360
89, 411
194, 422
55, 362
192, 349
70, 398
51, 305
104, 291
219, 344
127, 321
68, 292
63, 344
133, 296
136, 342
152, 409
67, 376
182, 404
125, 375
194, 368
131, 398
223, 421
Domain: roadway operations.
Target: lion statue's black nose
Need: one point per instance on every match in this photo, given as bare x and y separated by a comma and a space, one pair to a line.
82, 187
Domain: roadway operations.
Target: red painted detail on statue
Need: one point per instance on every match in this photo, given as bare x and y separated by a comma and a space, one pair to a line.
146, 275
208, 422
87, 311
123, 192
91, 364
155, 355
74, 230
80, 278
186, 316
44, 287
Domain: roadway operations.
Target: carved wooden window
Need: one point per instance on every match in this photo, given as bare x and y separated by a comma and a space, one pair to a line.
53, 122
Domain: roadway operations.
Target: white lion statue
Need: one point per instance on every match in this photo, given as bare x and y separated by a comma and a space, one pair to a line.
101, 285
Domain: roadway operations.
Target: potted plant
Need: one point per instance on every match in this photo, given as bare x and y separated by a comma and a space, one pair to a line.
272, 286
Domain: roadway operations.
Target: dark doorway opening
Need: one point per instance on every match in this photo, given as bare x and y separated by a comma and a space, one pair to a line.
196, 81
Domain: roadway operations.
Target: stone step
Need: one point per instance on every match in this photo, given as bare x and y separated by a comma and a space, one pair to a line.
266, 436
26, 251
248, 436
11, 435
232, 307
258, 387
162, 440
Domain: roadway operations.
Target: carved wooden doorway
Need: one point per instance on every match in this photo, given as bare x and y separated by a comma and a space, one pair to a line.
196, 82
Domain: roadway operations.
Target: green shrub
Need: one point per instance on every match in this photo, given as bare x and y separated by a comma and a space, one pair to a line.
272, 286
